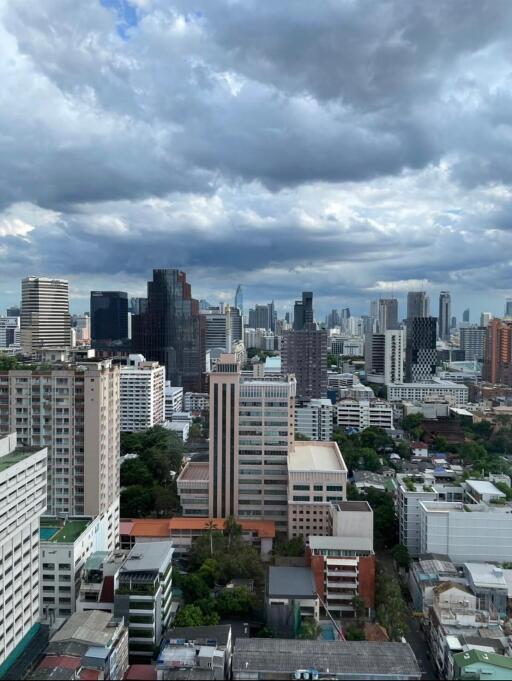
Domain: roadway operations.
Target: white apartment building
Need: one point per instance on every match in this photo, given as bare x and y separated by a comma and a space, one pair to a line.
411, 491
9, 331
65, 545
397, 392
72, 409
22, 502
314, 419
44, 313
384, 356
196, 402
364, 414
142, 395
193, 489
173, 400
317, 477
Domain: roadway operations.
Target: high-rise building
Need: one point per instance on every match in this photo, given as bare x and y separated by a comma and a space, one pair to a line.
44, 313
485, 318
445, 315
304, 354
417, 304
384, 356
251, 435
303, 311
22, 502
465, 316
109, 317
420, 349
239, 299
497, 367
314, 419
81, 323
73, 410
13, 311
388, 314
472, 341
262, 317
333, 319
508, 307
9, 331
223, 327
138, 305
142, 395
172, 331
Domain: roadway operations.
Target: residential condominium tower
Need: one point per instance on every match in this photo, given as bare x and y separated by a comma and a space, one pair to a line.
384, 356
497, 367
251, 435
73, 410
45, 317
388, 314
171, 331
304, 354
142, 394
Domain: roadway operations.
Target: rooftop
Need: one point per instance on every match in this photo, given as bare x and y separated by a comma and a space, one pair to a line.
485, 487
212, 635
354, 506
316, 456
93, 627
319, 542
477, 656
195, 471
291, 582
148, 557
147, 527
264, 528
486, 575
53, 529
350, 659
19, 454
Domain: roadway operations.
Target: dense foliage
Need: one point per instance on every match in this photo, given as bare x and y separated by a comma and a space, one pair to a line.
390, 606
385, 522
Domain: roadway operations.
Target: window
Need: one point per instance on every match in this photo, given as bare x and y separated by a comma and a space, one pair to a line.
318, 488
301, 487
299, 498
335, 488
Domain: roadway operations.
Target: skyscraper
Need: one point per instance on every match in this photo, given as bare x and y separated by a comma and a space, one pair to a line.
248, 471
172, 331
465, 316
262, 317
472, 342
497, 367
109, 317
223, 328
384, 356
485, 318
508, 307
44, 313
445, 315
388, 314
239, 299
304, 353
420, 350
417, 304
303, 311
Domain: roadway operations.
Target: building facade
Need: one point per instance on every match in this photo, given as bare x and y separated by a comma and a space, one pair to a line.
45, 317
304, 354
420, 349
142, 391
456, 392
22, 502
497, 367
314, 419
445, 315
472, 341
387, 314
109, 317
384, 356
417, 304
171, 330
303, 316
9, 332
363, 414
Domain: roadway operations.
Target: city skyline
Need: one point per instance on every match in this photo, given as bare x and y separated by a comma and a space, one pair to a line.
262, 165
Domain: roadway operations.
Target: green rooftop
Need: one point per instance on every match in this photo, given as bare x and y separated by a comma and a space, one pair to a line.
474, 656
66, 533
15, 457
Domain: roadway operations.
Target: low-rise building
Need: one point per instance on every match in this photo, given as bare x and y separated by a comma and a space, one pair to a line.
181, 428
100, 580
291, 599
489, 585
142, 394
314, 419
363, 414
196, 402
143, 596
411, 491
65, 546
89, 645
22, 502
317, 477
419, 391
193, 486
480, 664
196, 653
173, 400
279, 659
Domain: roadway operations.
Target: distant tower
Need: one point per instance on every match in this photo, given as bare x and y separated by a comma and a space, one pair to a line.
303, 311
465, 316
417, 304
239, 299
445, 315
44, 313
508, 307
388, 314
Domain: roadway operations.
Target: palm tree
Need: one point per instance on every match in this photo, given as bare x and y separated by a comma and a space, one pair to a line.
232, 529
211, 528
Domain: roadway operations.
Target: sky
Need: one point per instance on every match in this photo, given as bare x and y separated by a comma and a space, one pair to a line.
352, 148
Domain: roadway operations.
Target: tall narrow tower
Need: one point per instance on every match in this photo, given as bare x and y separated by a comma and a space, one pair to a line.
44, 313
445, 315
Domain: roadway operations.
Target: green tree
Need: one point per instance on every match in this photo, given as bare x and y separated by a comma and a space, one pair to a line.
332, 359
401, 556
8, 362
294, 547
375, 438
503, 487
135, 472
391, 608
232, 530
194, 588
310, 630
370, 459
195, 432
210, 571
360, 609
192, 616
235, 602
353, 633
441, 444
166, 500
137, 501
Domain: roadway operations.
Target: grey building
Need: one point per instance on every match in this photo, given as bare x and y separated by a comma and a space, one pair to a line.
420, 350
508, 307
445, 315
303, 311
472, 340
262, 317
239, 299
223, 327
465, 316
304, 353
273, 658
388, 314
418, 304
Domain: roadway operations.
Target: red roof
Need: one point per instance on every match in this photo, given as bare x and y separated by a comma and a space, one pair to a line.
141, 671
65, 661
89, 675
150, 528
164, 527
125, 527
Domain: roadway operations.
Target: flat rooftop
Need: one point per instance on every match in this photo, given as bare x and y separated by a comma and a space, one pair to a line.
482, 487
355, 506
54, 530
346, 659
318, 542
18, 455
291, 582
316, 456
147, 556
90, 627
195, 471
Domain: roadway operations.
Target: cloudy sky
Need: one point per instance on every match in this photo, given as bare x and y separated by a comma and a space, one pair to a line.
350, 147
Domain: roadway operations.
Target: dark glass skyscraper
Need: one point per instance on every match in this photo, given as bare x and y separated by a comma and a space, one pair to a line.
420, 349
303, 311
171, 331
417, 304
109, 317
445, 315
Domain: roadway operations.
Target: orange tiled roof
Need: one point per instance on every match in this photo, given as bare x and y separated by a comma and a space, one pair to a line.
264, 528
147, 527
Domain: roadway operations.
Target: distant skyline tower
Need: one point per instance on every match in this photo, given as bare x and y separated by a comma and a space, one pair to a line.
466, 315
508, 307
418, 304
45, 319
445, 315
303, 311
109, 316
239, 298
388, 314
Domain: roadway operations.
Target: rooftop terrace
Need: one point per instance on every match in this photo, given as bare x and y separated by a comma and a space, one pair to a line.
15, 457
53, 529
